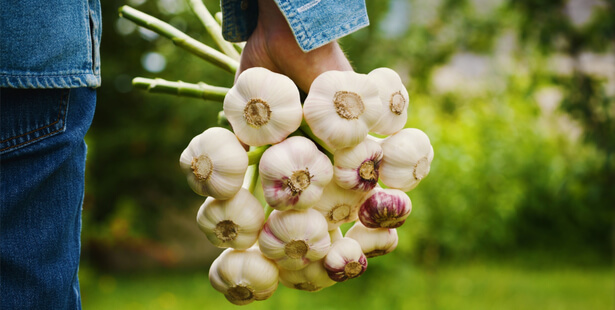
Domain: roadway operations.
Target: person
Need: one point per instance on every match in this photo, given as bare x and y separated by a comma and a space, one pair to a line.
49, 69
294, 38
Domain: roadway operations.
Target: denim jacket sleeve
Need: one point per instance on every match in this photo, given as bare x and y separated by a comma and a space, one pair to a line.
50, 43
314, 22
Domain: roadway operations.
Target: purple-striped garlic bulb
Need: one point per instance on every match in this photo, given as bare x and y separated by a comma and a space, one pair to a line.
385, 208
357, 167
341, 107
394, 98
244, 276
345, 260
215, 163
407, 159
374, 241
339, 205
263, 107
294, 238
312, 278
294, 173
234, 223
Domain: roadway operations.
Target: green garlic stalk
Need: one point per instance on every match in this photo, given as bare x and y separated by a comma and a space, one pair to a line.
179, 88
180, 39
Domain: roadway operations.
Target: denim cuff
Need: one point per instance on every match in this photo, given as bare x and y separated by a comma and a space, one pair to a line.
313, 22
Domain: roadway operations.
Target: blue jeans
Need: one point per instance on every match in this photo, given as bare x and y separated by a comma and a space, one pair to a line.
42, 166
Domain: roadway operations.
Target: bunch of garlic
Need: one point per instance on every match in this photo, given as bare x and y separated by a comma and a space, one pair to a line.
315, 177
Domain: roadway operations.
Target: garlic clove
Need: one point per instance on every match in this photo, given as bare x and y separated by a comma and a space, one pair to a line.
235, 222
293, 239
339, 205
244, 276
215, 163
374, 241
294, 173
358, 167
341, 107
263, 107
385, 208
394, 98
335, 234
345, 260
312, 278
407, 157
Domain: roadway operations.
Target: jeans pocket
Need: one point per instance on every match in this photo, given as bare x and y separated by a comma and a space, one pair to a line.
31, 115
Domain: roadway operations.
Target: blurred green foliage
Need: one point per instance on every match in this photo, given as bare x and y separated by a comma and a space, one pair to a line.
516, 96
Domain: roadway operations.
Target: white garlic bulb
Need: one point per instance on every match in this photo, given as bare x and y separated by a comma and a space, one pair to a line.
234, 223
293, 239
358, 167
341, 107
263, 107
338, 205
394, 98
293, 174
385, 208
312, 278
374, 241
345, 260
244, 276
406, 160
215, 163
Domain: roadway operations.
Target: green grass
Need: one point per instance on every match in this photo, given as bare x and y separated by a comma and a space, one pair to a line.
469, 286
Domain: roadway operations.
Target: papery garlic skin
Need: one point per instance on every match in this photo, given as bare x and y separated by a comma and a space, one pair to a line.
293, 239
215, 163
385, 208
244, 276
294, 173
345, 260
312, 278
234, 223
263, 107
341, 107
339, 205
406, 160
358, 167
394, 98
374, 241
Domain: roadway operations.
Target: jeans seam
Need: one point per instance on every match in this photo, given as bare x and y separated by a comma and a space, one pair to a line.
63, 101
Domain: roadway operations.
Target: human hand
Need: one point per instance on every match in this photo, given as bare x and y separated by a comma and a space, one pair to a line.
272, 45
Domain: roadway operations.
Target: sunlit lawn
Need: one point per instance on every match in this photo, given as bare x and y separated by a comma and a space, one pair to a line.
469, 286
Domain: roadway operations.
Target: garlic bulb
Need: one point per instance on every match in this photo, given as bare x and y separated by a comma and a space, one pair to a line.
385, 208
294, 173
215, 163
394, 98
244, 276
338, 205
407, 159
235, 222
263, 107
312, 278
374, 241
358, 167
345, 260
293, 239
341, 107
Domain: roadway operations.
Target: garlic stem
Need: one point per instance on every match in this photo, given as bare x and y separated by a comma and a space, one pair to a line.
179, 88
212, 26
179, 38
255, 154
308, 132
